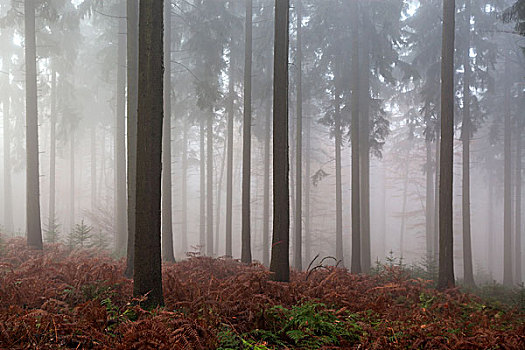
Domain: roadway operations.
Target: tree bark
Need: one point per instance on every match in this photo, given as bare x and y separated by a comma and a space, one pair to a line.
468, 273
209, 185
266, 190
446, 257
246, 250
338, 182
93, 140
404, 206
120, 143
430, 201
356, 197
229, 158
33, 221
517, 243
202, 184
147, 271
184, 190
507, 195
132, 14
167, 216
298, 256
8, 191
72, 178
280, 263
307, 232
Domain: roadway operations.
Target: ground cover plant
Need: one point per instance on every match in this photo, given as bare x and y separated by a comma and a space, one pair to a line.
59, 299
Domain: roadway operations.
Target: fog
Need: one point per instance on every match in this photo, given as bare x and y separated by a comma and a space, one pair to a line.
83, 105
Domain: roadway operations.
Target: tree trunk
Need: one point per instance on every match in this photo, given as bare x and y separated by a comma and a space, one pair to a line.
446, 257
356, 201
202, 183
468, 273
132, 12
436, 201
429, 206
404, 206
8, 191
490, 223
184, 190
34, 228
364, 148
72, 178
167, 216
229, 160
280, 262
307, 233
209, 185
246, 251
120, 143
266, 190
147, 271
93, 140
507, 196
219, 202
52, 226
298, 256
338, 182
517, 243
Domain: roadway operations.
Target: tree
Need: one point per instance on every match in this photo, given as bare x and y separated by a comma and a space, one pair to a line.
132, 15
507, 191
6, 108
298, 256
167, 217
446, 258
280, 264
147, 264
246, 253
34, 229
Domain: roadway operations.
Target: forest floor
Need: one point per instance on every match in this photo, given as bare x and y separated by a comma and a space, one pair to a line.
60, 299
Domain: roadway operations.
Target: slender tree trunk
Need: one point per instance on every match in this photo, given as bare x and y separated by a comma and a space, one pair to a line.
219, 202
307, 233
356, 197
446, 257
147, 271
202, 183
93, 177
404, 206
468, 273
132, 14
280, 262
436, 201
51, 226
8, 191
266, 190
167, 215
184, 190
120, 143
517, 243
507, 196
34, 227
298, 256
338, 182
429, 206
490, 216
209, 184
72, 178
364, 148
246, 251
229, 161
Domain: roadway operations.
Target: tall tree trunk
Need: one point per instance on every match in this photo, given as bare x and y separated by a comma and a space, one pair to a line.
72, 178
436, 200
219, 202
184, 190
298, 256
34, 227
52, 226
167, 216
246, 251
490, 216
93, 177
8, 191
120, 143
517, 243
209, 185
446, 257
507, 195
356, 198
307, 232
429, 205
132, 14
229, 161
364, 149
147, 271
202, 185
468, 273
266, 190
404, 206
338, 182
280, 262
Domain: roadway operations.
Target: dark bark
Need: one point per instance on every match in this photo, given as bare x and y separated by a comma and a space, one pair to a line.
202, 185
468, 273
34, 227
209, 185
8, 191
430, 200
517, 243
147, 271
298, 256
167, 216
246, 250
132, 12
356, 197
266, 189
229, 160
120, 143
280, 263
446, 257
436, 201
507, 195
